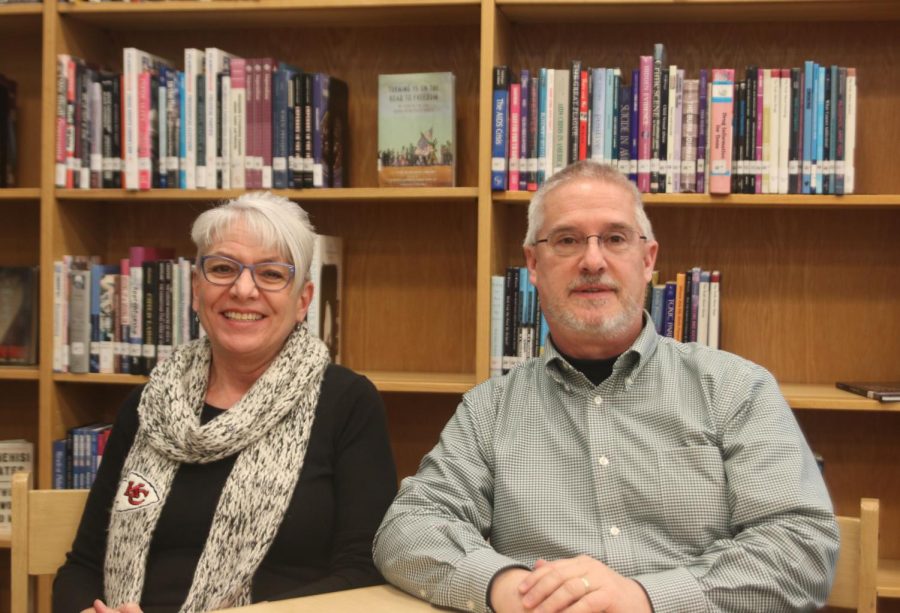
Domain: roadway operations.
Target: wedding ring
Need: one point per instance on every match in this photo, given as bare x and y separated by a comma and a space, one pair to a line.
587, 585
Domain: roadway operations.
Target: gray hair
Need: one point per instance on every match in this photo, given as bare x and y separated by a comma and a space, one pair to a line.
277, 222
585, 169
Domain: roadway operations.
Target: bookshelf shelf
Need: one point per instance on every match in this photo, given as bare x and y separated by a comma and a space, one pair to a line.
20, 193
888, 577
385, 381
345, 194
5, 539
752, 201
21, 18
828, 397
280, 13
704, 11
19, 373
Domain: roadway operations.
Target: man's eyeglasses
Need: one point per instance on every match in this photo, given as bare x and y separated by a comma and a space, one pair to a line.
566, 243
268, 276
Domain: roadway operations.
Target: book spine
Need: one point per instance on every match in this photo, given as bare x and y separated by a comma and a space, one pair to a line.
307, 90
280, 128
525, 111
193, 68
574, 110
499, 128
819, 137
498, 283
534, 93
703, 310
714, 307
722, 113
659, 64
238, 123
646, 125
560, 120
850, 134
265, 124
515, 127
784, 138
60, 170
689, 135
808, 115
79, 320
510, 318
598, 120
840, 112
584, 113
795, 138
669, 311
624, 139
150, 321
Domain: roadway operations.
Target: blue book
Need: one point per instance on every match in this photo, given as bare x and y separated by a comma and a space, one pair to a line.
60, 461
657, 306
542, 335
820, 128
282, 124
500, 127
543, 103
635, 123
498, 290
624, 129
182, 133
808, 83
669, 311
97, 273
524, 110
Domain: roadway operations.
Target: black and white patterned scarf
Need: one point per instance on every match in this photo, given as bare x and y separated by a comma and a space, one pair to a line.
269, 427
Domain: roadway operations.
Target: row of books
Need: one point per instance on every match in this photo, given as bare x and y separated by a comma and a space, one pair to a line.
688, 308
127, 317
19, 314
518, 328
77, 457
221, 122
123, 317
778, 130
15, 456
8, 140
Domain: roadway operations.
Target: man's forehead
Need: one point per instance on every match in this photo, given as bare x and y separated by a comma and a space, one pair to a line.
586, 196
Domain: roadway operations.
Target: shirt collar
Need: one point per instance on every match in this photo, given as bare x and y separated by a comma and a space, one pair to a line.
629, 363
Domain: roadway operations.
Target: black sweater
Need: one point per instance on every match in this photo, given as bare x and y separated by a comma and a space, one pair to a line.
324, 544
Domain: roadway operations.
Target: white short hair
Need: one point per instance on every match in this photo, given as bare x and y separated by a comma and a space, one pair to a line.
585, 169
277, 222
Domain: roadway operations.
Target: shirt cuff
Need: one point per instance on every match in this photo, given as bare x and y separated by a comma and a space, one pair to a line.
673, 590
472, 577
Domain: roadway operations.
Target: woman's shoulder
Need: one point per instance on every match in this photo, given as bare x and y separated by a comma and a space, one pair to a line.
345, 392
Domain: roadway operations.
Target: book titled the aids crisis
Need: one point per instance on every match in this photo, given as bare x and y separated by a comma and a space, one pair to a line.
417, 130
883, 391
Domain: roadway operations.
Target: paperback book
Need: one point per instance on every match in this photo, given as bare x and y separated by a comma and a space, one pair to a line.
417, 130
883, 391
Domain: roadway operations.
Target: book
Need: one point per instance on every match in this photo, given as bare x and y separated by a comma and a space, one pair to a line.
500, 128
883, 391
324, 314
417, 130
721, 116
498, 283
15, 456
18, 314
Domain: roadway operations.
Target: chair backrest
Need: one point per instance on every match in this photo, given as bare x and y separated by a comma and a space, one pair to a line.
855, 581
43, 528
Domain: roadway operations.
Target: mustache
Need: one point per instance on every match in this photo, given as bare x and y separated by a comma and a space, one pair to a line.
603, 280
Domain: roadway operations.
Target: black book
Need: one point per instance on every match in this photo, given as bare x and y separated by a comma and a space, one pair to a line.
750, 129
337, 135
574, 109
663, 147
18, 314
795, 146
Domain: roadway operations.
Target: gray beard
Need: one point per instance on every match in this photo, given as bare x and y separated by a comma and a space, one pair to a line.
609, 327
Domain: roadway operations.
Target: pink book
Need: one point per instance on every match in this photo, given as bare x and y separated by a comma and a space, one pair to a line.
265, 121
645, 115
760, 78
143, 145
721, 117
515, 127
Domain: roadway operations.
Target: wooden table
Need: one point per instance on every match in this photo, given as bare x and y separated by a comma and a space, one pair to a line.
376, 599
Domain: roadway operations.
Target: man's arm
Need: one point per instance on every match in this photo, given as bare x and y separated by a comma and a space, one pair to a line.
785, 538
432, 542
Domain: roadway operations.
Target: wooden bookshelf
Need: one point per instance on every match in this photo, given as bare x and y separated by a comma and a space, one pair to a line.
809, 282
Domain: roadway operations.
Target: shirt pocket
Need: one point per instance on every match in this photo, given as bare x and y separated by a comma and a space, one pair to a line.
693, 495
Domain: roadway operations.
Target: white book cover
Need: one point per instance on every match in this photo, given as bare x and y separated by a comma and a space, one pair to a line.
714, 308
850, 133
227, 119
60, 315
549, 121
703, 310
15, 456
324, 315
666, 165
238, 114
561, 120
215, 60
193, 67
784, 128
498, 293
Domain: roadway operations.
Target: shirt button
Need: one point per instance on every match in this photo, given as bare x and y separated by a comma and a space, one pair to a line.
603, 460
614, 531
470, 605
423, 593
598, 400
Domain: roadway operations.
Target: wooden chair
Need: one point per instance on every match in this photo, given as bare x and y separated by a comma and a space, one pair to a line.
855, 581
43, 528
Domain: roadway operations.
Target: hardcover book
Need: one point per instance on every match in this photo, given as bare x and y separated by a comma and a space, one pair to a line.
18, 315
15, 456
417, 130
883, 391
324, 315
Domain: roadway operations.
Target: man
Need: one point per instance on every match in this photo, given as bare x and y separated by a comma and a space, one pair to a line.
621, 471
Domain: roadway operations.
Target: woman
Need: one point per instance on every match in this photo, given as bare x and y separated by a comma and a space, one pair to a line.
197, 504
